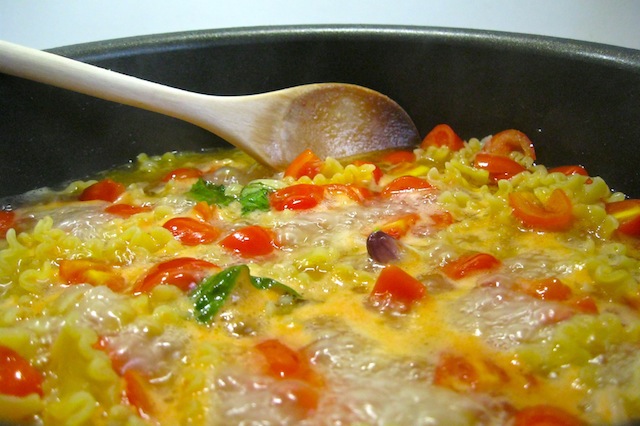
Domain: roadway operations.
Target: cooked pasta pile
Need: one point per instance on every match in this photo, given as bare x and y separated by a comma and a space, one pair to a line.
454, 283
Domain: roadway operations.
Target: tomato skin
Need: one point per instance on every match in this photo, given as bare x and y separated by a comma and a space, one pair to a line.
397, 157
356, 193
297, 197
499, 167
405, 184
297, 383
126, 210
555, 215
508, 141
17, 376
282, 361
570, 170
105, 190
7, 221
183, 272
399, 286
456, 373
586, 305
183, 173
443, 135
191, 232
628, 214
470, 264
549, 289
545, 415
250, 241
137, 394
81, 271
305, 164
442, 220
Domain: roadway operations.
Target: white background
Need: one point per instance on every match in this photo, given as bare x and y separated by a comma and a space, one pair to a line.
51, 23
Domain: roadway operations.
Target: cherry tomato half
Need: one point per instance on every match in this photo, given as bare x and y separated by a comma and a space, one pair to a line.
508, 141
405, 184
105, 190
305, 164
297, 197
183, 272
399, 286
182, 173
499, 167
17, 376
628, 214
443, 135
470, 264
126, 210
191, 232
250, 241
554, 215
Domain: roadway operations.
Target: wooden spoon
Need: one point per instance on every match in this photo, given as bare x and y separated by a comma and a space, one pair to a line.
332, 119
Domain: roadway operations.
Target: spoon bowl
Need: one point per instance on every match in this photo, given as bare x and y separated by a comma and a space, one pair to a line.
331, 119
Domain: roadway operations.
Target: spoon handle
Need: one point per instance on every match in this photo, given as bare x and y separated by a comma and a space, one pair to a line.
91, 80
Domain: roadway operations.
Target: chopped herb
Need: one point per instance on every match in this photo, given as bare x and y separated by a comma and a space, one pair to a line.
255, 196
210, 192
211, 294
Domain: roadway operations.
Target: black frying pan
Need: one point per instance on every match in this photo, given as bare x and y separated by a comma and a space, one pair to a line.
579, 102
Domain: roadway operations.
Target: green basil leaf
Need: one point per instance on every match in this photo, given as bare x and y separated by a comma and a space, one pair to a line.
262, 283
209, 192
210, 295
255, 197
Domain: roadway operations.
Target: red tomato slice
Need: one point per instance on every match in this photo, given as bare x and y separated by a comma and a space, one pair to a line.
586, 305
282, 361
405, 184
399, 227
443, 135
250, 241
17, 376
549, 289
570, 170
397, 157
297, 197
456, 373
545, 415
126, 210
87, 271
183, 272
137, 393
105, 190
395, 284
377, 172
183, 173
508, 141
305, 164
191, 232
356, 193
470, 264
7, 221
442, 220
628, 214
555, 215
499, 167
